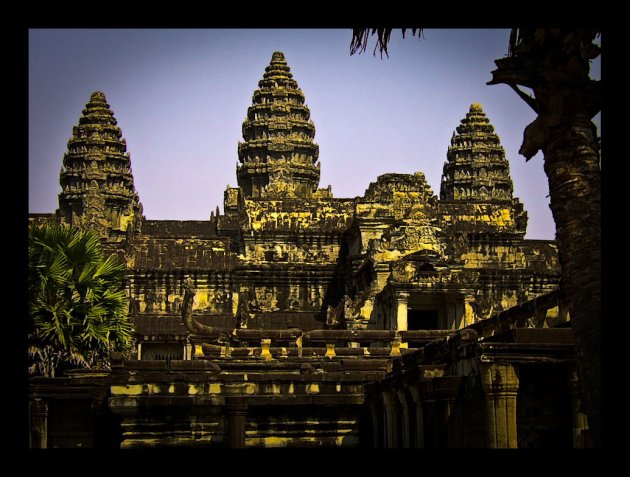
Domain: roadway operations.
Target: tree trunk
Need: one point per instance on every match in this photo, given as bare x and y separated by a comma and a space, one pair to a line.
572, 165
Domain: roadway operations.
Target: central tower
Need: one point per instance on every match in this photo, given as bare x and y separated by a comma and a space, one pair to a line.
278, 158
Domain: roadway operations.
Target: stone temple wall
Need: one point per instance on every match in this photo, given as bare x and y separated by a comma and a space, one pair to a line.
339, 286
310, 258
285, 251
298, 319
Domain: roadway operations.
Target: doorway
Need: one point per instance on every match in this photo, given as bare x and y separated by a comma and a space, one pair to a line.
422, 319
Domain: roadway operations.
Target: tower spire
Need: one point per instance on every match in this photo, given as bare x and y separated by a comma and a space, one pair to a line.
278, 156
476, 168
96, 179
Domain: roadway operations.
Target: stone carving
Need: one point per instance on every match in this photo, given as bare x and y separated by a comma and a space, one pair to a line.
278, 128
243, 314
334, 315
351, 313
88, 162
475, 153
186, 310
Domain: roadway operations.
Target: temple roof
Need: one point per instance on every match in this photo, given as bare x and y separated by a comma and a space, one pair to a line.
476, 168
96, 177
278, 155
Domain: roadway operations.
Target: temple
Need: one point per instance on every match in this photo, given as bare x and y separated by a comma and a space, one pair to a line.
397, 319
96, 179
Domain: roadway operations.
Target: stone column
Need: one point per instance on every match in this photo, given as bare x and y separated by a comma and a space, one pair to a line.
402, 298
415, 394
265, 353
140, 351
469, 313
500, 385
390, 421
446, 389
236, 409
405, 438
580, 421
99, 420
429, 420
38, 424
376, 428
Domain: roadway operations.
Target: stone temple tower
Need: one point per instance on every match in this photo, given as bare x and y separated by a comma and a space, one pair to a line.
476, 168
278, 158
96, 179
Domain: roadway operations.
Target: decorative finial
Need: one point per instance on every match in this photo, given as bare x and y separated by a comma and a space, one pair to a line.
98, 96
277, 56
475, 107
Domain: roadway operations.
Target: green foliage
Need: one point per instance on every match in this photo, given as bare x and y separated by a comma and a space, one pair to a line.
77, 304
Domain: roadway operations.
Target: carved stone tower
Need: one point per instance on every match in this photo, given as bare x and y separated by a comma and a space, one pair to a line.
476, 168
96, 179
278, 157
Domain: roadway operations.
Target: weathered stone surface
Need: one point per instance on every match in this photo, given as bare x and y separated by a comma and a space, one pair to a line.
476, 168
292, 301
278, 157
96, 178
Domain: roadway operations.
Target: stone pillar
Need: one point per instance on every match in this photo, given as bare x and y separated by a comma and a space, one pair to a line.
236, 409
390, 421
580, 421
405, 437
402, 298
373, 407
500, 385
395, 346
469, 313
445, 389
38, 424
265, 353
419, 437
99, 420
140, 351
429, 419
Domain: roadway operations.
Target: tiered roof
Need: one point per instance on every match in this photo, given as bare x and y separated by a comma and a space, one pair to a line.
96, 178
278, 157
476, 168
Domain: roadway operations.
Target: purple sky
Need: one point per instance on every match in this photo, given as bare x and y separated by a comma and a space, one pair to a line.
180, 97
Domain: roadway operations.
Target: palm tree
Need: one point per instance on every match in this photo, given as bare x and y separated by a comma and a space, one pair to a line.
554, 63
77, 304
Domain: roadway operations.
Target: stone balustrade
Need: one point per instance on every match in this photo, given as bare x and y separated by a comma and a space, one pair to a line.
295, 343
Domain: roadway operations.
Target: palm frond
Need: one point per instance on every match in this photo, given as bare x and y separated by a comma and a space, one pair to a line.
110, 268
361, 37
77, 303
